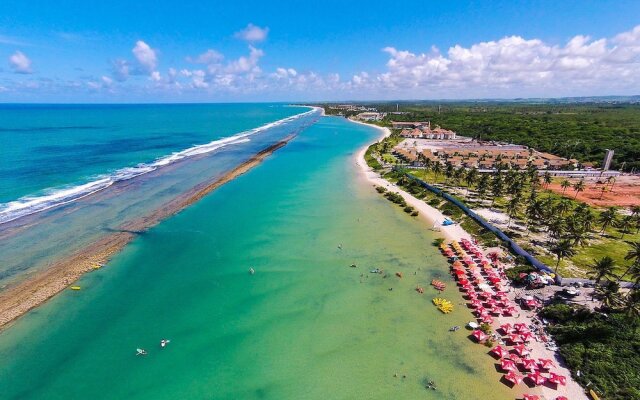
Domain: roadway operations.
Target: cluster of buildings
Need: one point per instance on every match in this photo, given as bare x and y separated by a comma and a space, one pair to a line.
370, 116
423, 130
483, 156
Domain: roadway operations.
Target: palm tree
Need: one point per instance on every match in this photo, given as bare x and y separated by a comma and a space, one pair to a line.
625, 224
547, 179
437, 169
609, 295
512, 208
564, 185
562, 249
633, 255
608, 217
471, 177
563, 206
602, 268
448, 172
579, 187
483, 185
632, 306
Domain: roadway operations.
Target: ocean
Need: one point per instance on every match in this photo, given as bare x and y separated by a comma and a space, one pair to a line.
306, 325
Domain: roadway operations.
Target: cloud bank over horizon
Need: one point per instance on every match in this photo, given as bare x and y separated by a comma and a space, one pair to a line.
512, 66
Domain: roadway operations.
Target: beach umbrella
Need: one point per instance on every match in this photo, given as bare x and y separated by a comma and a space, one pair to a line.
519, 327
476, 303
457, 264
479, 335
562, 398
545, 363
521, 350
482, 312
537, 378
526, 336
530, 397
498, 351
506, 328
487, 319
513, 377
462, 281
529, 363
515, 338
555, 378
508, 365
459, 272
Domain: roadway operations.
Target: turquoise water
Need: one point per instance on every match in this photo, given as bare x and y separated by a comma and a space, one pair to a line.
305, 326
53, 146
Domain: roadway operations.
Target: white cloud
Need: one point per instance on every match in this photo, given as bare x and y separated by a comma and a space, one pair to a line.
146, 56
155, 76
252, 33
120, 70
20, 63
515, 65
208, 57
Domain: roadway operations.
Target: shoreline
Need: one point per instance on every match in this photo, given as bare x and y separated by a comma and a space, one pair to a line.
456, 233
17, 300
428, 213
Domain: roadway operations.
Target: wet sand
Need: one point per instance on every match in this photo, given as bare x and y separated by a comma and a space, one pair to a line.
16, 300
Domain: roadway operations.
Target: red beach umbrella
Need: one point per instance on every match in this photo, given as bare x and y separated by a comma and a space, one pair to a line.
562, 398
479, 335
487, 319
545, 363
508, 365
521, 350
476, 303
530, 397
514, 338
509, 311
462, 281
526, 336
506, 328
498, 351
529, 363
513, 377
555, 378
519, 327
537, 378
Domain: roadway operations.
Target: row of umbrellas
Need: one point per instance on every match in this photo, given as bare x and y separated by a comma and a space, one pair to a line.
476, 276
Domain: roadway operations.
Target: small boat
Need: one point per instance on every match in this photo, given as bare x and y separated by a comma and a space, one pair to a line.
164, 342
439, 285
75, 288
419, 289
399, 274
444, 305
141, 352
353, 266
454, 328
375, 271
252, 271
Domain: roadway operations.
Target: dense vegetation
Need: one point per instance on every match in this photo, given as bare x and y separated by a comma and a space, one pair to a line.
605, 348
580, 131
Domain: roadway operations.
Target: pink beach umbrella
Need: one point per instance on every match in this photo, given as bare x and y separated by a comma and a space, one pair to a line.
562, 398
509, 311
508, 365
513, 377
526, 336
476, 303
479, 335
545, 363
487, 319
529, 363
557, 379
506, 328
519, 327
521, 350
530, 397
514, 338
537, 378
498, 351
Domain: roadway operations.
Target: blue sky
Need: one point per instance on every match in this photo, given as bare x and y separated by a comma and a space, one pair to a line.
117, 51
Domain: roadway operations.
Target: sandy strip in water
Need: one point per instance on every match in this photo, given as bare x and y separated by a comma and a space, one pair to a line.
16, 300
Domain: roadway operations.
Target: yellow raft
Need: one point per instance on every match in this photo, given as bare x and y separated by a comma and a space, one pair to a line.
443, 305
75, 287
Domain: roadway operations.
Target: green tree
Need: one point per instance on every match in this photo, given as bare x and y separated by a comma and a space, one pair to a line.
562, 249
625, 224
565, 184
579, 187
602, 268
608, 218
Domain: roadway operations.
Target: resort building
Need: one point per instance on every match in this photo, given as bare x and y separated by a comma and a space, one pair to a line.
422, 130
370, 116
